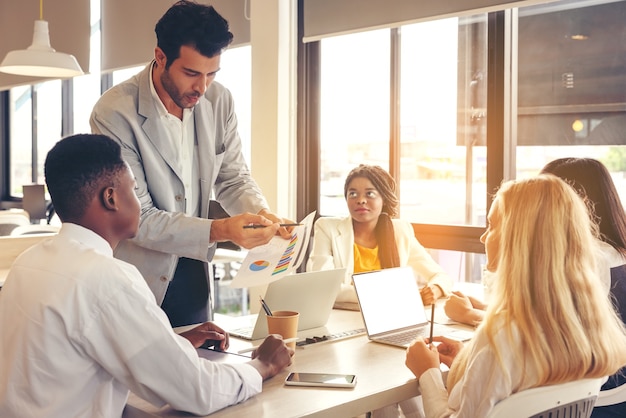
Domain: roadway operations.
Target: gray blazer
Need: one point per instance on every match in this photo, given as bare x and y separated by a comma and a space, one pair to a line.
128, 113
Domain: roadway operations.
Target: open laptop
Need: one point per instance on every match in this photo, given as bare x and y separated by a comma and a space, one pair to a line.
312, 294
392, 307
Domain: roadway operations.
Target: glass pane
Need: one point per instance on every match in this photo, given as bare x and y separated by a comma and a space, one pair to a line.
571, 96
86, 94
460, 266
125, 74
21, 138
49, 122
354, 106
236, 75
443, 96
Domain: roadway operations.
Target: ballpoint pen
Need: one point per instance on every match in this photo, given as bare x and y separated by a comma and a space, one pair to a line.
247, 350
266, 308
432, 324
256, 226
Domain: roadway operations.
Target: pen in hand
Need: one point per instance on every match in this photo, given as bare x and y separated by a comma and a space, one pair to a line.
266, 308
256, 226
432, 324
248, 350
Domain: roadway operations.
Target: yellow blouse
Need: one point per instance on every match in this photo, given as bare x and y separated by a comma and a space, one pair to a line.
365, 259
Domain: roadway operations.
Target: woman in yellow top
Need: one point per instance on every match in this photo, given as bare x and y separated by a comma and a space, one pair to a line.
369, 239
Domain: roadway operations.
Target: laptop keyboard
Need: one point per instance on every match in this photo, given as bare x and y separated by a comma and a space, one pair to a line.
406, 337
245, 332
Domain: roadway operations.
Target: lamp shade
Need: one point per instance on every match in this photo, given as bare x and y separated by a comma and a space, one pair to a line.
40, 59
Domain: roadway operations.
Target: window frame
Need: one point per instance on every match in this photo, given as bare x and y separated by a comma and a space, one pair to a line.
462, 238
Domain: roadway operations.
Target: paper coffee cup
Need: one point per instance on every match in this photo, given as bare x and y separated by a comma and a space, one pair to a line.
285, 324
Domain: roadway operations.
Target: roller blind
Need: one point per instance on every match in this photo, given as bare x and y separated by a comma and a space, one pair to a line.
128, 37
323, 18
68, 25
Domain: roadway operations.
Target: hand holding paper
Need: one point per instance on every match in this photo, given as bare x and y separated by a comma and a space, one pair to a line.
277, 258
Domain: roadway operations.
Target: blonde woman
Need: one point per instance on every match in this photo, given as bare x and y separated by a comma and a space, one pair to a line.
548, 321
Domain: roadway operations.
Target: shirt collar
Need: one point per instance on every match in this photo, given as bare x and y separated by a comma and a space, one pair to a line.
86, 237
160, 106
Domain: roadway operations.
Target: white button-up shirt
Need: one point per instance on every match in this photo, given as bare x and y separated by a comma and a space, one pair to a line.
79, 328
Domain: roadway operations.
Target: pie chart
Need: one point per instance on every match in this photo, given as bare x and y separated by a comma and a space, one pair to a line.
259, 265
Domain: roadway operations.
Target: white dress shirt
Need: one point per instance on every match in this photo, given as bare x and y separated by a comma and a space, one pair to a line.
79, 328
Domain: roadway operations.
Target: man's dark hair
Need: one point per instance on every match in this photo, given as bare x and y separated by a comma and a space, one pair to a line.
195, 25
77, 168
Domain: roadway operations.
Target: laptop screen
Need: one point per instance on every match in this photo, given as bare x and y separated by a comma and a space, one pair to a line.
389, 299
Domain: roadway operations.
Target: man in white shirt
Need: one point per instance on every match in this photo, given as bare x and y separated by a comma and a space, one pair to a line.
79, 328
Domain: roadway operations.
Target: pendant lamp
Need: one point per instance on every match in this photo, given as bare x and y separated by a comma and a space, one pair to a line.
40, 59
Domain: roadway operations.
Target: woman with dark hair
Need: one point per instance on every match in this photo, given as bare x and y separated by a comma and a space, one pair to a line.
591, 180
371, 239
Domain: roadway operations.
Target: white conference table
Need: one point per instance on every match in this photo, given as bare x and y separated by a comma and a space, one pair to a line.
382, 379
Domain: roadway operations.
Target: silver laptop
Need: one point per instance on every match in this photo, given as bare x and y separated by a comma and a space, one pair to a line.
312, 294
392, 307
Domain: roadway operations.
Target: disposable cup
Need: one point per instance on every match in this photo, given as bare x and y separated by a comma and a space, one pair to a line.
285, 324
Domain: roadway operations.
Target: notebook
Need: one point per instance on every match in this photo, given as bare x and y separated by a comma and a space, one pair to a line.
312, 294
392, 308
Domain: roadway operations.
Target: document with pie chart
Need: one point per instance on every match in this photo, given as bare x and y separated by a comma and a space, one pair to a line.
279, 257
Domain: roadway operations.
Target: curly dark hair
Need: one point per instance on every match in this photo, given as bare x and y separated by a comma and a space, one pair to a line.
77, 168
386, 186
196, 25
382, 181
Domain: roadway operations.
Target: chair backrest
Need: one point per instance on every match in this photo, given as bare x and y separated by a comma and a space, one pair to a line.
34, 229
10, 219
612, 396
567, 400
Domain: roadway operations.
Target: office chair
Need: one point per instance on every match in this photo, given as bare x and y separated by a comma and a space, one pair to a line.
566, 400
612, 396
34, 229
11, 219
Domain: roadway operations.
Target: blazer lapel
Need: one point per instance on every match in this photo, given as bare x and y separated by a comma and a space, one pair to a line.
152, 126
344, 242
206, 142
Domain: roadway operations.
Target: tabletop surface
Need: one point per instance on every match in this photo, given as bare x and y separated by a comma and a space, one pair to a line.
382, 378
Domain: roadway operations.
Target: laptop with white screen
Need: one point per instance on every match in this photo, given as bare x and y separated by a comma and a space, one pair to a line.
392, 307
312, 294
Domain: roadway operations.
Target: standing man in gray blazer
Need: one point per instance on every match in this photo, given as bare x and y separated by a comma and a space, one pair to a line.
178, 131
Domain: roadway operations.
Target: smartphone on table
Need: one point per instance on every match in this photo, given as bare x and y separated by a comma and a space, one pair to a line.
328, 380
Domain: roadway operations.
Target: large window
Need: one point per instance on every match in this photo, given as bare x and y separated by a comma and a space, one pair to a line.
354, 106
571, 96
426, 100
442, 98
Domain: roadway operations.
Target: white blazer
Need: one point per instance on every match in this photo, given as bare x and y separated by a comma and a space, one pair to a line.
333, 242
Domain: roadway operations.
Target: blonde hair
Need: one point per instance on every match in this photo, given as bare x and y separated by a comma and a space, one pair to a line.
547, 286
